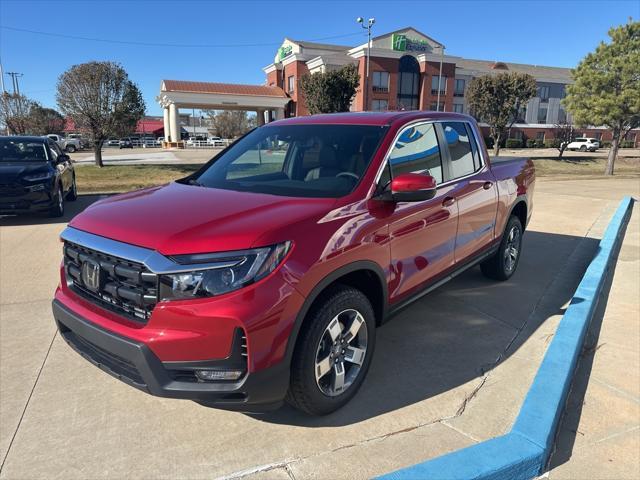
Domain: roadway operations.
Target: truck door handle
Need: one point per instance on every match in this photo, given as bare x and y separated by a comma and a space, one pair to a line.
487, 185
448, 201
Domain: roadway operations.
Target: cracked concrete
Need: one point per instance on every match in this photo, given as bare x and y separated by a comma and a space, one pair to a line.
449, 371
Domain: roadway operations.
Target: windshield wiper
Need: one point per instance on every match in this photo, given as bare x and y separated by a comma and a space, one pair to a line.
193, 181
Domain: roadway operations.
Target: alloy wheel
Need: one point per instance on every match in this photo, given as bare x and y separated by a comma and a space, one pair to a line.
341, 352
512, 249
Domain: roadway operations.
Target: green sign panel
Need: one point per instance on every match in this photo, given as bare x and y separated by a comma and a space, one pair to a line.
402, 43
284, 51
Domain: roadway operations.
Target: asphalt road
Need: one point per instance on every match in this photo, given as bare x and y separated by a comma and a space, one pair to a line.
448, 371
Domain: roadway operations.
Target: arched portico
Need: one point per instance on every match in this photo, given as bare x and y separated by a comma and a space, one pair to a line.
266, 101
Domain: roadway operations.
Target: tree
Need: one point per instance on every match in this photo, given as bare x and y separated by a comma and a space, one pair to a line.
331, 91
14, 112
607, 87
42, 120
230, 124
497, 100
563, 135
100, 99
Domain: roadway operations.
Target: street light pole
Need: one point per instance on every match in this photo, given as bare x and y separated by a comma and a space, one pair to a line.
440, 77
367, 27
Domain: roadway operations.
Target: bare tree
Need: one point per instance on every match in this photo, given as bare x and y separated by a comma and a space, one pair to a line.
563, 135
14, 113
100, 99
230, 124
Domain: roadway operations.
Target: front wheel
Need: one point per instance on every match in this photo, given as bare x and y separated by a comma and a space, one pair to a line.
73, 193
70, 148
502, 265
57, 209
583, 148
333, 352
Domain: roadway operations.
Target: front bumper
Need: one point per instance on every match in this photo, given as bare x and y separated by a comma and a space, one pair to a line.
135, 364
36, 201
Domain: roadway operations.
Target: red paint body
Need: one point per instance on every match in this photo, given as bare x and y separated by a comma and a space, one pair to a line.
412, 243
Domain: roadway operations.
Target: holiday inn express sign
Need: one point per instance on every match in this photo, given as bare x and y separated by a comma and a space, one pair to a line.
402, 43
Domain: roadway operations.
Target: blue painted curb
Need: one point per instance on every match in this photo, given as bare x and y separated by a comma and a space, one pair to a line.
523, 452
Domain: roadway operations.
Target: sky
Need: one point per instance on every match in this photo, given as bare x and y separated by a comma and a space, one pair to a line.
231, 41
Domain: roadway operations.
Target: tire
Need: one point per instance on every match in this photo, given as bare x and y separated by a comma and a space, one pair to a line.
72, 196
583, 148
70, 148
331, 320
503, 264
57, 210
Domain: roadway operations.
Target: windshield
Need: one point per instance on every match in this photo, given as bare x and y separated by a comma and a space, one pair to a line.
296, 160
14, 150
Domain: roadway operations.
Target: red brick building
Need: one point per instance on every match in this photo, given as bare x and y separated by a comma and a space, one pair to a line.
409, 70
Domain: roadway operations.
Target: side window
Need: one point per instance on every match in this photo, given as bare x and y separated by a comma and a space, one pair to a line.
417, 151
53, 151
477, 161
462, 160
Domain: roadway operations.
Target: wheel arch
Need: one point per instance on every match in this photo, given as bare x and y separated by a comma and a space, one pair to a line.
520, 210
365, 275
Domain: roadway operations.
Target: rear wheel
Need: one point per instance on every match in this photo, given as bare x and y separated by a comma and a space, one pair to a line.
503, 264
57, 209
333, 352
583, 148
70, 148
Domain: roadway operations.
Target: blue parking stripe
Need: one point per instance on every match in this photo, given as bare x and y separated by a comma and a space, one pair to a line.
523, 452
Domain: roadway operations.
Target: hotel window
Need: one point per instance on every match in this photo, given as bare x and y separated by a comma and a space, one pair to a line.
458, 108
459, 90
291, 83
379, 105
543, 93
434, 84
598, 136
542, 114
434, 106
380, 81
540, 136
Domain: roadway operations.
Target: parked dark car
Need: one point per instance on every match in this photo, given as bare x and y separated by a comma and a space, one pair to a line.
35, 176
125, 143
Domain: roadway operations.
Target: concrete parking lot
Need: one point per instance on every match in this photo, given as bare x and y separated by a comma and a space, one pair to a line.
449, 371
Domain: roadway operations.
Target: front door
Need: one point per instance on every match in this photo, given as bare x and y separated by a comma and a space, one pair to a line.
422, 234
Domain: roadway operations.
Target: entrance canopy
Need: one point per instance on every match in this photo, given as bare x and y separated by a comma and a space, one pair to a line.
176, 94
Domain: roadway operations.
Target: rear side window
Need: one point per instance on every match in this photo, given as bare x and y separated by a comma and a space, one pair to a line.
417, 151
460, 150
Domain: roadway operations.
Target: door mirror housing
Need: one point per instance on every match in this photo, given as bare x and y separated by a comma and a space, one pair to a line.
413, 187
63, 157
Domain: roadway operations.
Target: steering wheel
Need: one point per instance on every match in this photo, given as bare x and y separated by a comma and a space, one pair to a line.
349, 174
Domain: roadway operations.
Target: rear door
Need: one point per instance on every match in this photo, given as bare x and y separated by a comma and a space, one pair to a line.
422, 234
473, 188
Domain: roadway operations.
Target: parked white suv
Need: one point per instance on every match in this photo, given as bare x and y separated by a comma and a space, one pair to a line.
584, 144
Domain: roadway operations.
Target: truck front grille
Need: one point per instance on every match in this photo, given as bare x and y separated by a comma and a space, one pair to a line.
124, 287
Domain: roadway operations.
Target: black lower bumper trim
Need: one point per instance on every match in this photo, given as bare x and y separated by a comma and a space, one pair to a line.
135, 364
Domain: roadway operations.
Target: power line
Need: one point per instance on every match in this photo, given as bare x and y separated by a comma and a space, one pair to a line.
164, 45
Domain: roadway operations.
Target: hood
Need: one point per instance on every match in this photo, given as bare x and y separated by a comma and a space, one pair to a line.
179, 219
13, 172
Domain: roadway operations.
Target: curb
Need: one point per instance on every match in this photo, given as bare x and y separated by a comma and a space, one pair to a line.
523, 452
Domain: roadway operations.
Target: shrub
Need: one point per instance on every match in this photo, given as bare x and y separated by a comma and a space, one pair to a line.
539, 143
488, 142
552, 143
531, 143
626, 144
513, 143
605, 144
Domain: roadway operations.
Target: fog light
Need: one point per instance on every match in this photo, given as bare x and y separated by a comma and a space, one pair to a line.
213, 375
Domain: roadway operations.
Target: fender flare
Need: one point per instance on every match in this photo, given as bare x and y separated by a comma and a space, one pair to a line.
321, 286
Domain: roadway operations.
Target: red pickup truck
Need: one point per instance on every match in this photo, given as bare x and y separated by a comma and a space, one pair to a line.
263, 276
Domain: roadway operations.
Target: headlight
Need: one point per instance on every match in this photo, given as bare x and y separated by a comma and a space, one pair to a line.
228, 271
38, 177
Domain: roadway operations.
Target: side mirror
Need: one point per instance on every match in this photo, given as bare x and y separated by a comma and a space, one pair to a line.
413, 187
62, 158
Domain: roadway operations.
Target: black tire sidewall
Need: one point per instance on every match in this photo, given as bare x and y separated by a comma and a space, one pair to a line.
57, 210
340, 299
513, 220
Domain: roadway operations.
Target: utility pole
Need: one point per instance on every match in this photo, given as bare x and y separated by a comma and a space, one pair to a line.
367, 27
14, 77
1, 79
